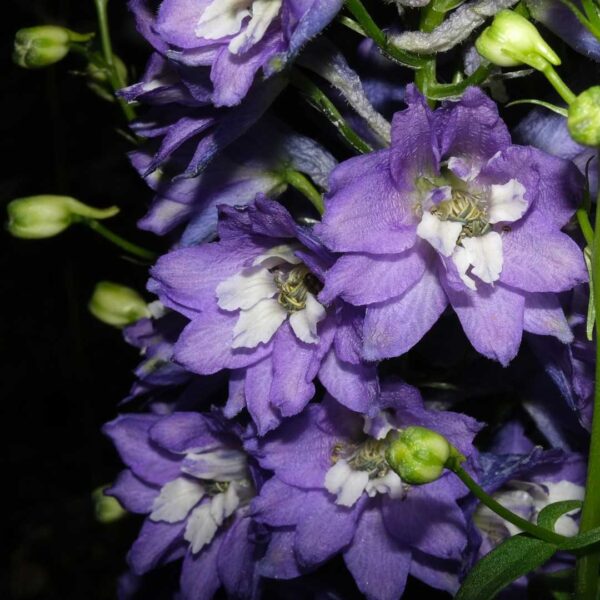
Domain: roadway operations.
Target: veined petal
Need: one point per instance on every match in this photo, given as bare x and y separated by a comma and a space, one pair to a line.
442, 235
258, 324
263, 14
463, 168
507, 202
246, 288
277, 255
223, 464
222, 18
176, 499
485, 254
304, 322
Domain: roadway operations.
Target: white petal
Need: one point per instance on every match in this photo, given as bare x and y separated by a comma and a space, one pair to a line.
201, 527
220, 465
462, 259
442, 235
304, 322
336, 476
222, 18
390, 484
217, 508
263, 14
258, 324
278, 255
462, 168
485, 254
246, 288
507, 202
353, 488
231, 501
564, 490
176, 499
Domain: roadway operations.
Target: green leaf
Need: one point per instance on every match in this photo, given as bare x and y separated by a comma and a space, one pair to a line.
551, 513
512, 559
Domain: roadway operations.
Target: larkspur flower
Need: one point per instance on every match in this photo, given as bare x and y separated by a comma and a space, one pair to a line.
233, 40
189, 474
453, 213
252, 302
334, 493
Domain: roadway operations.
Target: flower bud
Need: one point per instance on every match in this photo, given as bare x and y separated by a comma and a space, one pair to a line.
106, 508
38, 217
117, 305
584, 117
42, 46
512, 40
418, 455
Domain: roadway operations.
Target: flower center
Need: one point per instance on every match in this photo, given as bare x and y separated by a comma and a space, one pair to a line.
368, 457
464, 208
294, 286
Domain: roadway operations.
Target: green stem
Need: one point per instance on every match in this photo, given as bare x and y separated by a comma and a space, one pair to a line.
511, 517
328, 108
113, 74
439, 91
304, 185
426, 77
585, 226
371, 29
586, 572
119, 241
557, 83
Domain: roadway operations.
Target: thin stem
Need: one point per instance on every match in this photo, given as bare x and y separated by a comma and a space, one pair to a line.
371, 29
586, 572
585, 226
511, 517
114, 76
439, 91
126, 245
558, 84
328, 108
351, 24
304, 185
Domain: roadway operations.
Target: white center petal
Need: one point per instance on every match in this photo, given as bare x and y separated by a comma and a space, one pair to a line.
222, 18
462, 259
389, 484
223, 464
176, 499
485, 254
442, 235
277, 255
259, 324
263, 14
507, 202
346, 483
304, 322
462, 168
201, 527
246, 288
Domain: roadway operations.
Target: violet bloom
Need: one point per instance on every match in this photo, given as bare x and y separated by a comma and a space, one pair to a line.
234, 39
334, 493
190, 475
252, 302
453, 213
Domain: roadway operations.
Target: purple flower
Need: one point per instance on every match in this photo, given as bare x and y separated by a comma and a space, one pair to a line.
190, 475
234, 177
252, 302
231, 39
333, 492
453, 213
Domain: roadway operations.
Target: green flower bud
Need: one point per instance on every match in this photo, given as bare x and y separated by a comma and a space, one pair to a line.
42, 46
117, 305
106, 508
584, 117
38, 217
418, 455
512, 40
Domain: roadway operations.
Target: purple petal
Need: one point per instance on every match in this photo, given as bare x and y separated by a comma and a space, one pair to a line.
199, 574
258, 381
544, 316
183, 432
132, 493
279, 561
157, 544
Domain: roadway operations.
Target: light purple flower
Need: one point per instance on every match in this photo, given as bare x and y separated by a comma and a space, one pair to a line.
333, 493
190, 475
453, 213
233, 40
252, 302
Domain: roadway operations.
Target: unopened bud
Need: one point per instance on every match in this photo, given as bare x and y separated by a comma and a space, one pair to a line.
418, 455
584, 117
42, 46
117, 305
106, 508
38, 217
512, 40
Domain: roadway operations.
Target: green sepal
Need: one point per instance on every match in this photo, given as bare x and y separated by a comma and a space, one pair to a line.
591, 311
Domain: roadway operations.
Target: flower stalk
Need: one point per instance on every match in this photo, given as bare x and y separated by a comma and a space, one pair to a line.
301, 183
119, 241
